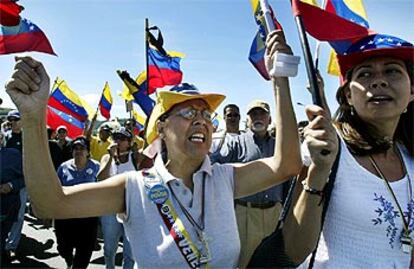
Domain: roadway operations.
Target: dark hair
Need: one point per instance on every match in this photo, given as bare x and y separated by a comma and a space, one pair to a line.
230, 106
359, 137
82, 138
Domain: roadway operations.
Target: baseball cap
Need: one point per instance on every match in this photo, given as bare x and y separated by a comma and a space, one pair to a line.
122, 132
258, 104
80, 140
13, 114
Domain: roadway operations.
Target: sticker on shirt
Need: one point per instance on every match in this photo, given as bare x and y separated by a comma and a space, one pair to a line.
158, 193
387, 214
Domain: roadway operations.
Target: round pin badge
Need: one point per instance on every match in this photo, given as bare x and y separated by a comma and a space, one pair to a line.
158, 194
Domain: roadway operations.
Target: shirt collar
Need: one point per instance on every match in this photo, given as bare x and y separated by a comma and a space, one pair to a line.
165, 174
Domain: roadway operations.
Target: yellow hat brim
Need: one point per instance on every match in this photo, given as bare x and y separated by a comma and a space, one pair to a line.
167, 99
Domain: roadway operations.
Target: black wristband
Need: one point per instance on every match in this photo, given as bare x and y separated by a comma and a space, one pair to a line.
310, 190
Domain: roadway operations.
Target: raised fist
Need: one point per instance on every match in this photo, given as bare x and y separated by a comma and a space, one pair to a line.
29, 87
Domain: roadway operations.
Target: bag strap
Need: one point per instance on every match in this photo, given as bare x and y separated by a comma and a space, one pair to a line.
328, 192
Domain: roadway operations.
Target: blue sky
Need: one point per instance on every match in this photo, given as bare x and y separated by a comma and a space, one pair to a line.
94, 38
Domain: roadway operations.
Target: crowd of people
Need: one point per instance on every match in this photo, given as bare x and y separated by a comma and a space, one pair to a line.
329, 192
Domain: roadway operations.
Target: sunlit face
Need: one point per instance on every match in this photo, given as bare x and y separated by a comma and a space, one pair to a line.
258, 120
232, 118
186, 137
380, 89
104, 134
123, 142
61, 134
15, 124
79, 152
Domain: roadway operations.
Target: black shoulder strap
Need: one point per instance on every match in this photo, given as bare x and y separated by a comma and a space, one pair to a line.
134, 162
328, 192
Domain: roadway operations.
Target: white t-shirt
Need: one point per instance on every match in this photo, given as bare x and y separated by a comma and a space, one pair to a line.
122, 167
218, 140
362, 227
151, 243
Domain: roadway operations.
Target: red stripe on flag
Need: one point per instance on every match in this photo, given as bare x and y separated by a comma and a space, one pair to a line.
32, 41
58, 105
54, 121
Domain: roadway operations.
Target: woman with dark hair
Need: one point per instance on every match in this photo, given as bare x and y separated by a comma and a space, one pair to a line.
76, 237
118, 160
366, 208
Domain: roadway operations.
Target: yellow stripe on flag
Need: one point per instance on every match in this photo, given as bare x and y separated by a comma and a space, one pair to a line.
107, 93
358, 7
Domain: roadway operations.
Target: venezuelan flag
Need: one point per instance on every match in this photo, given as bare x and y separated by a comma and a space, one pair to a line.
257, 49
64, 99
140, 121
327, 26
55, 118
105, 104
135, 90
352, 10
18, 34
163, 69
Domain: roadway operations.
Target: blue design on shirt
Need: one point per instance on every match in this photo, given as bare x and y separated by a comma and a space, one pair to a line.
387, 214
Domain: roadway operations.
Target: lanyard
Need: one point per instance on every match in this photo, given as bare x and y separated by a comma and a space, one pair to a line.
204, 251
198, 227
194, 257
387, 184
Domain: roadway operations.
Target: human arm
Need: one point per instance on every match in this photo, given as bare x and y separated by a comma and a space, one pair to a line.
87, 131
286, 160
304, 217
29, 90
106, 163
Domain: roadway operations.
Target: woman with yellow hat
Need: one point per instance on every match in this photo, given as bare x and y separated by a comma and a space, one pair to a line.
179, 213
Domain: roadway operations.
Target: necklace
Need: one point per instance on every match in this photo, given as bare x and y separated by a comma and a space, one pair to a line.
205, 256
406, 240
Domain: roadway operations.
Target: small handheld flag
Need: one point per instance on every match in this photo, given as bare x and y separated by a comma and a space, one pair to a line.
105, 104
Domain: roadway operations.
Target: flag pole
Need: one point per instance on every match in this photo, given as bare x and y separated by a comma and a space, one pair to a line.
318, 43
310, 69
268, 16
146, 52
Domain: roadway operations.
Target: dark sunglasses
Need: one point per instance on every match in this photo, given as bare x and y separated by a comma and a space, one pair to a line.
13, 119
119, 137
233, 115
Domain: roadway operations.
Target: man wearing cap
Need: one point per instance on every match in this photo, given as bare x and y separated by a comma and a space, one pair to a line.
100, 142
231, 116
119, 160
257, 215
77, 234
13, 137
11, 182
63, 142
